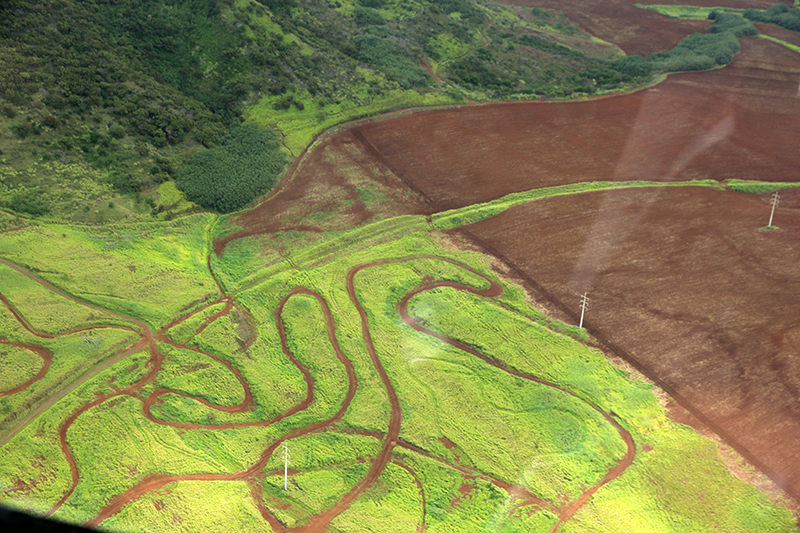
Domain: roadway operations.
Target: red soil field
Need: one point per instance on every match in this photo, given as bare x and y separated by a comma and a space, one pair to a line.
329, 179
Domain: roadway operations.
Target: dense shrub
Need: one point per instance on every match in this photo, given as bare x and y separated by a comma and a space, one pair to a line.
365, 16
234, 173
733, 22
30, 201
125, 182
779, 14
376, 47
699, 51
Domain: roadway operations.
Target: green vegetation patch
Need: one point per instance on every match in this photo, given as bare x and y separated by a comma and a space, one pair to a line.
47, 312
115, 446
198, 375
151, 271
475, 213
790, 46
17, 365
227, 506
185, 330
758, 187
74, 357
699, 51
779, 15
328, 466
470, 428
39, 475
236, 172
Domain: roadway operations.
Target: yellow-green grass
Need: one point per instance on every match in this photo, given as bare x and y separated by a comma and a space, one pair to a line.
47, 312
571, 444
760, 187
693, 492
790, 46
688, 11
477, 212
274, 381
153, 272
393, 503
73, 359
555, 442
115, 447
226, 506
691, 477
183, 332
299, 127
325, 466
17, 365
34, 474
198, 375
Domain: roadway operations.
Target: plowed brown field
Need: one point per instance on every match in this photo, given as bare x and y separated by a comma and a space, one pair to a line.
683, 284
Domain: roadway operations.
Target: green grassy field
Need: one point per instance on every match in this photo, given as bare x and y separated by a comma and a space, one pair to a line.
500, 435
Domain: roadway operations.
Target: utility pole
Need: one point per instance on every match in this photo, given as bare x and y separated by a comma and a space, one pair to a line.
285, 465
584, 305
775, 199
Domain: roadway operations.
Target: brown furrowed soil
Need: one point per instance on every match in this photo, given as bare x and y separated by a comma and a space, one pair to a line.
334, 178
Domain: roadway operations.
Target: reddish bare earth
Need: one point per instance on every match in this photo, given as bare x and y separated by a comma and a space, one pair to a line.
736, 122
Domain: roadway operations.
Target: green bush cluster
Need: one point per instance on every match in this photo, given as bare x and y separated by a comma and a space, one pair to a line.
378, 47
779, 14
699, 51
234, 173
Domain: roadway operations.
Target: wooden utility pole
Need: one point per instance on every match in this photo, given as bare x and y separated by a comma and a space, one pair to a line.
584, 305
774, 201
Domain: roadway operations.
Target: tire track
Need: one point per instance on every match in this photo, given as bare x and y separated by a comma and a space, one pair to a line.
494, 290
252, 475
47, 359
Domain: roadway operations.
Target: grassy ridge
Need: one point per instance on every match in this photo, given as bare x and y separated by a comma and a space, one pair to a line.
477, 212
151, 271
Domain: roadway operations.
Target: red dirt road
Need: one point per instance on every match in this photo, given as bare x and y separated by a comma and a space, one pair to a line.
494, 289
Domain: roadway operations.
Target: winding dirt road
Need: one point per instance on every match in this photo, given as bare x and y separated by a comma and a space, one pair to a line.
253, 475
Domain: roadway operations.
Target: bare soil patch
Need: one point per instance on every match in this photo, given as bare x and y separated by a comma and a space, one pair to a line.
339, 178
